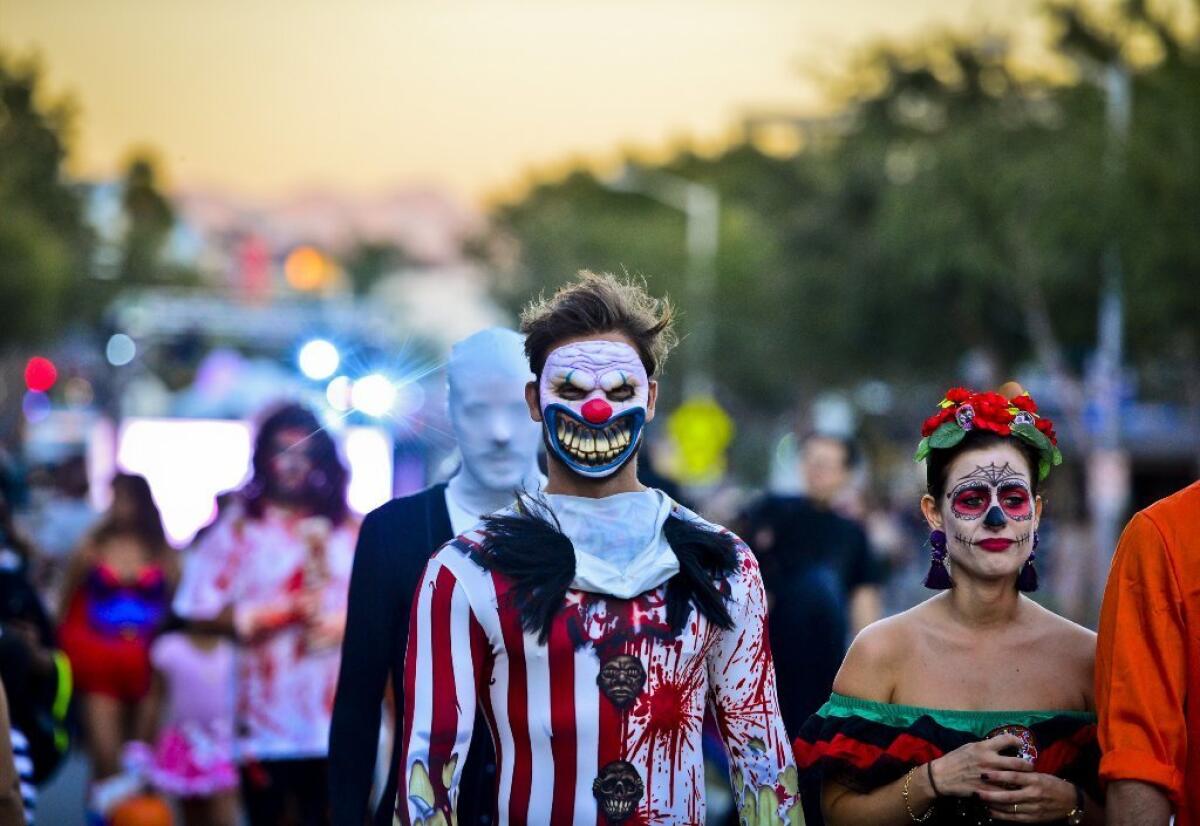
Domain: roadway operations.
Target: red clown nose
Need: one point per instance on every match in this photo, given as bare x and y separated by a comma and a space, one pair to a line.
597, 411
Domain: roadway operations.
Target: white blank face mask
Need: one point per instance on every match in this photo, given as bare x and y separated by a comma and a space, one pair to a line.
496, 437
486, 404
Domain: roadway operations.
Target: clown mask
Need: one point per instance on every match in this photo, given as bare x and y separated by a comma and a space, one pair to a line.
595, 397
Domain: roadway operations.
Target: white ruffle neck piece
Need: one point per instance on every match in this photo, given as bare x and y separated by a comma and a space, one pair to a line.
620, 547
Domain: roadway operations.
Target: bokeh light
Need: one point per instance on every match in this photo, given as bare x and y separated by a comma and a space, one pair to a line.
120, 350
36, 406
410, 398
307, 268
318, 359
339, 394
40, 374
374, 395
78, 392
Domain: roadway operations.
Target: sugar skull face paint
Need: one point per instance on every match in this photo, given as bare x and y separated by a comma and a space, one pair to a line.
995, 493
989, 512
594, 397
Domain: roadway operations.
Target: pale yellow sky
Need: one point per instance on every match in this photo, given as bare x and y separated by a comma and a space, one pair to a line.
267, 97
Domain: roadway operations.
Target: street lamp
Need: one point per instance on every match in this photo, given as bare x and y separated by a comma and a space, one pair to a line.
1118, 104
1108, 486
1108, 468
701, 206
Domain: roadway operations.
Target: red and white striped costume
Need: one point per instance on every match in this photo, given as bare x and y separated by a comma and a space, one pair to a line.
557, 734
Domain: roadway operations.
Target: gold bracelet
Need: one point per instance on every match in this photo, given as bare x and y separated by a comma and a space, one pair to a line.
928, 812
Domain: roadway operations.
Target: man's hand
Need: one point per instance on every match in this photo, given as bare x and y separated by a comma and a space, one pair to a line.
1130, 803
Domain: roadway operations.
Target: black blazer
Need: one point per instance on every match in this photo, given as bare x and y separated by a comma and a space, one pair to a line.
395, 542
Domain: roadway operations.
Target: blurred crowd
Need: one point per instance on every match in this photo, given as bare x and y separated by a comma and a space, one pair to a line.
114, 644
200, 682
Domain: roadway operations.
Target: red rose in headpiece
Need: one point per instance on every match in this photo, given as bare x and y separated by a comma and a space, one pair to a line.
1024, 402
992, 413
937, 420
984, 423
991, 402
992, 406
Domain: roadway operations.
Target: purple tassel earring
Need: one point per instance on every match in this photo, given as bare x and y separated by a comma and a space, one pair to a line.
1027, 580
938, 577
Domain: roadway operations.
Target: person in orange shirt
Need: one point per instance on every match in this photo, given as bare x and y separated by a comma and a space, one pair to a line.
1148, 667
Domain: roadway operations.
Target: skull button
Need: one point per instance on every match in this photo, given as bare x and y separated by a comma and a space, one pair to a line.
622, 679
1027, 751
965, 416
618, 789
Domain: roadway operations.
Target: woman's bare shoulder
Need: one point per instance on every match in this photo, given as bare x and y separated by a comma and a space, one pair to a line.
1065, 636
873, 662
1071, 645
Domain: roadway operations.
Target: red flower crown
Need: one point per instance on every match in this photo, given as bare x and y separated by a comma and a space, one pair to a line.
964, 410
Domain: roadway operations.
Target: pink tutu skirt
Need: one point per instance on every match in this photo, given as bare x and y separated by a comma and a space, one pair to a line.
194, 760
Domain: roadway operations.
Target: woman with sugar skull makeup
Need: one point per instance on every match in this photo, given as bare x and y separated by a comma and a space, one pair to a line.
593, 623
918, 727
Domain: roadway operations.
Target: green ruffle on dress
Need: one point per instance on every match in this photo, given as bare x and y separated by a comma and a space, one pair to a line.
863, 745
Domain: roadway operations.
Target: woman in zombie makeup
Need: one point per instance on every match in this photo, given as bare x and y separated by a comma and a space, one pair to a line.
274, 574
920, 726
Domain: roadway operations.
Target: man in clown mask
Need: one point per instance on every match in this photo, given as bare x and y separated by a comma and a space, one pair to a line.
485, 377
593, 623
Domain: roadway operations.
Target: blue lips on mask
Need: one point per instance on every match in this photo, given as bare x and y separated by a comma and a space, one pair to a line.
574, 441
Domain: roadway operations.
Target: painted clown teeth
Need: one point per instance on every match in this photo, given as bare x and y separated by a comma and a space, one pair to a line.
593, 447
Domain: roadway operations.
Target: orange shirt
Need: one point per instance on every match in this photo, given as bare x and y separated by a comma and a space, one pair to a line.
1148, 655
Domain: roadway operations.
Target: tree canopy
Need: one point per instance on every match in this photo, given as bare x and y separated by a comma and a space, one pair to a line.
43, 238
958, 204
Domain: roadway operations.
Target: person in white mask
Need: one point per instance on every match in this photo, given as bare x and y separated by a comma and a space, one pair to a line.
486, 377
593, 623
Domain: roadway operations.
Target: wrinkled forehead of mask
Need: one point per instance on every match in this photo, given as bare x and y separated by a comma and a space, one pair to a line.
585, 367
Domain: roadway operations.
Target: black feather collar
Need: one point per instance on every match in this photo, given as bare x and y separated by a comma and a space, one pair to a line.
529, 548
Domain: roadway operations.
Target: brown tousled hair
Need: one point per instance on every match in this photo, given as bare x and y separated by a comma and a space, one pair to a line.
600, 303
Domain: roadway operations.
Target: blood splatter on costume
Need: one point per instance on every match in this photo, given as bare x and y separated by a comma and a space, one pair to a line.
592, 632
600, 722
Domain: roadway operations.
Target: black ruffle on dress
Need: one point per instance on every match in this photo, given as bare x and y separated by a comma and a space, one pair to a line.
862, 745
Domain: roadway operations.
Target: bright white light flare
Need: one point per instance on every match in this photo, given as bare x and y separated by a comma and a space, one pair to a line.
319, 359
374, 395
